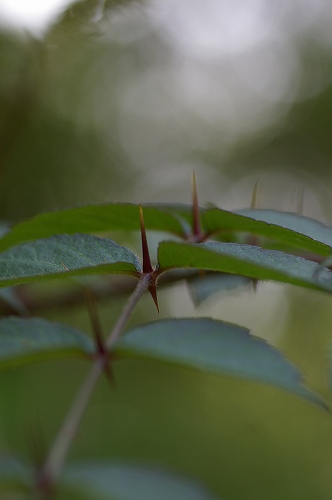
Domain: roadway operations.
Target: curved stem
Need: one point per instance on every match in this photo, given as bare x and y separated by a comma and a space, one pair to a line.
56, 458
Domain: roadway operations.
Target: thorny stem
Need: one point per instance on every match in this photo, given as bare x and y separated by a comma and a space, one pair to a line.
101, 291
57, 455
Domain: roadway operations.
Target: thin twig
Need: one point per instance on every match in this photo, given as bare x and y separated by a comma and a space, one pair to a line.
143, 284
56, 458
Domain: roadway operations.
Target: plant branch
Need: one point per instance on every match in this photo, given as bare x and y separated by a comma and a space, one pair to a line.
56, 458
103, 290
143, 284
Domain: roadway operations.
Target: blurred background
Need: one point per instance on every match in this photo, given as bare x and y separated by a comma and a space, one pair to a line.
120, 101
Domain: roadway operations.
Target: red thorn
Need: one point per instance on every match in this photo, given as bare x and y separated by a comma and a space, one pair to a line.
252, 239
106, 359
108, 370
153, 292
196, 220
94, 319
102, 350
255, 196
147, 267
37, 444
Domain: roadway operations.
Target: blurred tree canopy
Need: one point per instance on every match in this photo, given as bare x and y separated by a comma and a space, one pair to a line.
122, 100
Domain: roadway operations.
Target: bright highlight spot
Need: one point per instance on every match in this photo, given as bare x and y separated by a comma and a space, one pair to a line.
33, 15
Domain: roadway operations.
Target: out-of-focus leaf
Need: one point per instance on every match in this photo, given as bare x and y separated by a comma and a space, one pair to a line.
247, 260
215, 346
98, 218
27, 340
204, 287
65, 255
82, 12
10, 297
132, 482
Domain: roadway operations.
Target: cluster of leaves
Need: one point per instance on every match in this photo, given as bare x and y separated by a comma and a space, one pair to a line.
230, 248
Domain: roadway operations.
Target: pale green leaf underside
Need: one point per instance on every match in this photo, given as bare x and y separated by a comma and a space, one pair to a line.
65, 255
247, 260
306, 234
24, 340
204, 287
217, 347
291, 229
305, 225
132, 482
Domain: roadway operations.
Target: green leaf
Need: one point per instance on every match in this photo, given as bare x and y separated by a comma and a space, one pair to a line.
65, 255
247, 260
299, 232
27, 340
204, 287
214, 346
98, 218
291, 229
132, 482
13, 474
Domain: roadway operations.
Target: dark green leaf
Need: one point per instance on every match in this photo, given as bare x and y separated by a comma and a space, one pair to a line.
132, 482
247, 260
214, 346
291, 229
98, 218
27, 340
65, 255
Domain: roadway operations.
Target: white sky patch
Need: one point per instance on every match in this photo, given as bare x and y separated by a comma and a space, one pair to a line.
34, 15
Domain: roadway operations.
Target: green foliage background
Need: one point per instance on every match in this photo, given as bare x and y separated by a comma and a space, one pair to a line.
88, 113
